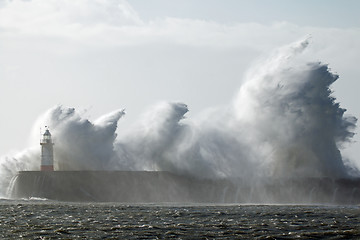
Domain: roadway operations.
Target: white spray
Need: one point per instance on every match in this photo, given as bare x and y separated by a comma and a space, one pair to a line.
284, 122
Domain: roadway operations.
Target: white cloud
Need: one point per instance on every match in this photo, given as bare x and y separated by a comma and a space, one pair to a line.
64, 17
100, 52
115, 22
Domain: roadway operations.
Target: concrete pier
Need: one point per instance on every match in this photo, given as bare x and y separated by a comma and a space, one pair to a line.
155, 187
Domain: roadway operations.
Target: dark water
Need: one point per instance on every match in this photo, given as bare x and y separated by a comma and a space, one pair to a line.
54, 220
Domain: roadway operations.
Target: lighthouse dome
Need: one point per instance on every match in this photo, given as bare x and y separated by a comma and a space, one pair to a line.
47, 132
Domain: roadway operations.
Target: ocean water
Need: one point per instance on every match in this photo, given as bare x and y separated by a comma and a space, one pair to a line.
43, 219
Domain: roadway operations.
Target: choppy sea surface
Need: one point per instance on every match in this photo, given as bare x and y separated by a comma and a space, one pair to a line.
43, 219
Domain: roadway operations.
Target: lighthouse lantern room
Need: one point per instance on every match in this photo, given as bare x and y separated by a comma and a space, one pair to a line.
47, 152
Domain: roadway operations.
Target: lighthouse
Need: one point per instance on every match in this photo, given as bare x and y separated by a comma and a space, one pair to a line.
47, 152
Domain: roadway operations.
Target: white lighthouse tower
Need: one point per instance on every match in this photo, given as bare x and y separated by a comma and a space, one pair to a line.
47, 152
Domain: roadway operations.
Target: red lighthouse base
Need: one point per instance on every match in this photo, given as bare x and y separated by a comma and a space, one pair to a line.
47, 168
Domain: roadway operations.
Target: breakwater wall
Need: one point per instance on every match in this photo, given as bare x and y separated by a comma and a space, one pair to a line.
153, 187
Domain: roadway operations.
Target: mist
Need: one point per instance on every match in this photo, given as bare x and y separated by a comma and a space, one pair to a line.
284, 122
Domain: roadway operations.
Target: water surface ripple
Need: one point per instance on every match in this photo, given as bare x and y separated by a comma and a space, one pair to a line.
54, 220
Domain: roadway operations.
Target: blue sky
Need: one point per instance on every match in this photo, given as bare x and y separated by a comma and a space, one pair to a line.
320, 13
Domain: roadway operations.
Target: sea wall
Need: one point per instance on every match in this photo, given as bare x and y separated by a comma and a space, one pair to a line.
117, 186
152, 187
